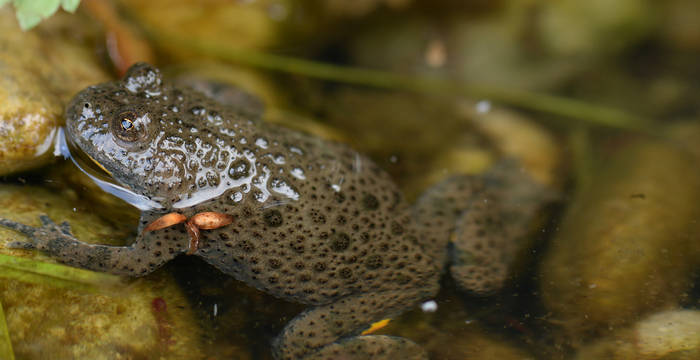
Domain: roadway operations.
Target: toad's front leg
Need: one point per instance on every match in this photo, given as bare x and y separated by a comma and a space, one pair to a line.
146, 254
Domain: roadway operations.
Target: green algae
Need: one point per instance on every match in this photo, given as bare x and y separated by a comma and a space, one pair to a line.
5, 344
43, 273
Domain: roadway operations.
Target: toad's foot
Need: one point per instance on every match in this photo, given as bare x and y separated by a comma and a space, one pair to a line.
333, 331
371, 347
40, 237
57, 241
486, 220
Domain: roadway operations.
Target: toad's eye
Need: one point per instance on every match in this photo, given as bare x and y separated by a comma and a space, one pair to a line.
129, 127
127, 124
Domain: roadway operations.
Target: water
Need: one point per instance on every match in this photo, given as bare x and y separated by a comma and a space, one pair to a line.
613, 251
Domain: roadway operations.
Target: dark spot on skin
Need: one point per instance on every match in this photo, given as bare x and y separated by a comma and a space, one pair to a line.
246, 246
320, 267
345, 273
373, 262
317, 217
396, 228
370, 202
246, 212
272, 217
340, 242
274, 263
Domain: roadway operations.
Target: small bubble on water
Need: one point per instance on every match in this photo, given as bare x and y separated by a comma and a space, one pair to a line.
483, 106
429, 306
393, 159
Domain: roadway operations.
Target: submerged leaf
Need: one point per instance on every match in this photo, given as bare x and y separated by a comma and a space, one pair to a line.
37, 272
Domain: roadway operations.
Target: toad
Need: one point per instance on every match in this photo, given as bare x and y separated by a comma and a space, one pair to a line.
298, 217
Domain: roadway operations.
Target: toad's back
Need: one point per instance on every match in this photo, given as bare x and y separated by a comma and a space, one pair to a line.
319, 221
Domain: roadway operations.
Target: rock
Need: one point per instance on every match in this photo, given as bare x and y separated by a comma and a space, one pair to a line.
237, 25
628, 242
40, 70
452, 333
668, 335
143, 318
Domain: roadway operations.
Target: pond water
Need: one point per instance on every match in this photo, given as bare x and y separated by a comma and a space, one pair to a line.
575, 124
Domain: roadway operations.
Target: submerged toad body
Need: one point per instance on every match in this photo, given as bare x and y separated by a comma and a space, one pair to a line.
312, 221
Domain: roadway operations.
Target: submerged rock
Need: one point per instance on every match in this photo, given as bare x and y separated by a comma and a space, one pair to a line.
627, 244
453, 333
668, 335
144, 318
39, 71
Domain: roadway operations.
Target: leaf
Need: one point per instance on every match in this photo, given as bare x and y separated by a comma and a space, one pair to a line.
70, 5
31, 12
41, 8
5, 344
37, 272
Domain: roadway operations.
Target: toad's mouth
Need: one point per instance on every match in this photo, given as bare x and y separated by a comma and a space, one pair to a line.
99, 174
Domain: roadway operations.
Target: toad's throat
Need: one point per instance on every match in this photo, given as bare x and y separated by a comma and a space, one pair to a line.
105, 181
100, 165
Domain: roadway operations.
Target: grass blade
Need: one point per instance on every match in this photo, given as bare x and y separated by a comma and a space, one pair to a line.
5, 344
37, 272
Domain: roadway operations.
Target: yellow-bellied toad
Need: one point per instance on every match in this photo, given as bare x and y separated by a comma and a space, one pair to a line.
313, 221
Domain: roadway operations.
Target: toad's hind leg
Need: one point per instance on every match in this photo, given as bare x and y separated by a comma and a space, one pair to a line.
460, 219
333, 331
476, 224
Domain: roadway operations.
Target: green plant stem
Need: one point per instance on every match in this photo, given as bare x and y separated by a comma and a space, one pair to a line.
582, 156
5, 343
37, 272
555, 105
